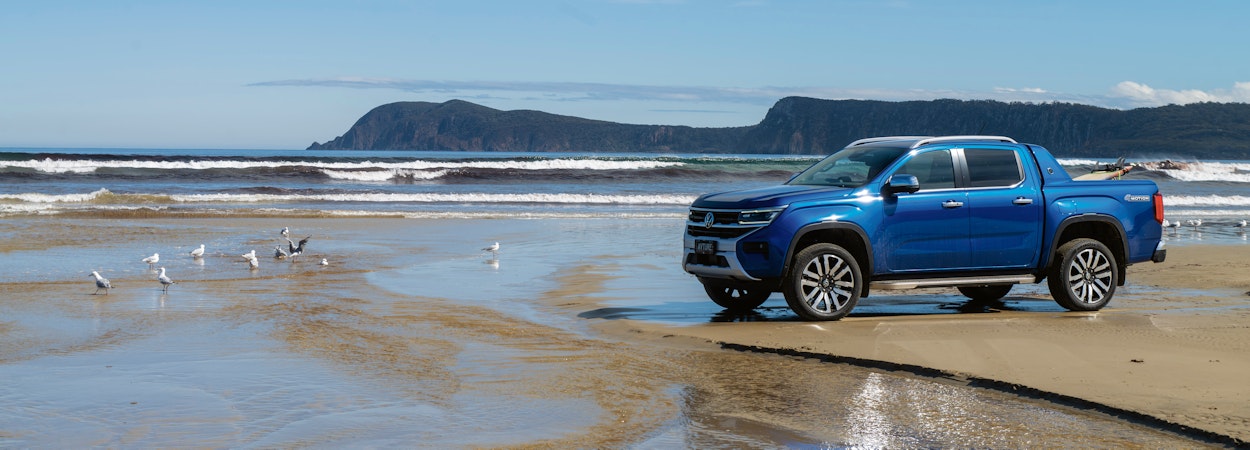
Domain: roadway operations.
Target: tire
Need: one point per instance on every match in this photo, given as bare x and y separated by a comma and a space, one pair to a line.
986, 293
737, 296
823, 283
1084, 275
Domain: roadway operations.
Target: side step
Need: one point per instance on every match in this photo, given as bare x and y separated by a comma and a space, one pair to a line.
891, 285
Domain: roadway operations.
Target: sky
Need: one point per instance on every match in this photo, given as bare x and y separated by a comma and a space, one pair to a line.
278, 74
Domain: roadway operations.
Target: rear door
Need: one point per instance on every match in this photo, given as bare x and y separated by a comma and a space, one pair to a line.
1004, 207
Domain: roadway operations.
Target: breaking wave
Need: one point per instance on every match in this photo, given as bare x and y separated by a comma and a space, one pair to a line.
82, 166
104, 196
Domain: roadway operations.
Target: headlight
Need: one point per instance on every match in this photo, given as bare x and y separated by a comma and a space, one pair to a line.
759, 216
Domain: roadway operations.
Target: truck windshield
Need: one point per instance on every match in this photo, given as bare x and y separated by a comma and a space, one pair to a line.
849, 167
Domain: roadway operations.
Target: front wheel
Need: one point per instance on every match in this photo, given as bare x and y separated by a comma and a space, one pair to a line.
1084, 275
737, 296
823, 283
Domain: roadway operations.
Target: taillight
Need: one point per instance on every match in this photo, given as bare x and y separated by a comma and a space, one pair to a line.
1158, 201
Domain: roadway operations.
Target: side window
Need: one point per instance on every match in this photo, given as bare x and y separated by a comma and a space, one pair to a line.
934, 170
992, 167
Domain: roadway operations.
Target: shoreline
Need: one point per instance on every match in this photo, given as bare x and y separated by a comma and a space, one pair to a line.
1170, 351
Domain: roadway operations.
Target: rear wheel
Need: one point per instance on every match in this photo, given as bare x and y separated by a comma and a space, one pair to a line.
737, 296
1084, 275
823, 283
985, 293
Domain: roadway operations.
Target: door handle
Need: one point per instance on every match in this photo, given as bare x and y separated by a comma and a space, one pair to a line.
952, 204
1022, 201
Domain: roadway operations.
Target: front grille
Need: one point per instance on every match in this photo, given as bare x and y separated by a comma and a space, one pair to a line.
724, 224
722, 217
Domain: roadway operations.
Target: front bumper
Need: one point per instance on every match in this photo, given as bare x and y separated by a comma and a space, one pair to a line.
721, 264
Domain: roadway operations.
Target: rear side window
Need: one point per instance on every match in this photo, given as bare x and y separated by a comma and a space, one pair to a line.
992, 167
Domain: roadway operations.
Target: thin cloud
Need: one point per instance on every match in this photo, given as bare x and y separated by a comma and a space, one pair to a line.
1140, 94
1127, 94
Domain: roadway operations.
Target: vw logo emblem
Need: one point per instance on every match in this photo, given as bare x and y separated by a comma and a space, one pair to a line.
709, 220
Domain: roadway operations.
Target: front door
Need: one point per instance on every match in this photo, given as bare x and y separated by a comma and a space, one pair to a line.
926, 230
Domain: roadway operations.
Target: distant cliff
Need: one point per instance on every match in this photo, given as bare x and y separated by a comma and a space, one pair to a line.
797, 125
463, 126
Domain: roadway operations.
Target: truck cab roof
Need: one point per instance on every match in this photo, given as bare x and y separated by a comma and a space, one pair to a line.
917, 141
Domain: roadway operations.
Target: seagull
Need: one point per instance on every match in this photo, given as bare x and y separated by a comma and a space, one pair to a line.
164, 280
493, 248
286, 232
101, 283
278, 252
199, 252
1241, 224
297, 250
324, 262
253, 263
249, 255
1194, 222
151, 260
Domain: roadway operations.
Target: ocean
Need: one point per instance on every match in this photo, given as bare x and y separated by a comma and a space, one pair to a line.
414, 184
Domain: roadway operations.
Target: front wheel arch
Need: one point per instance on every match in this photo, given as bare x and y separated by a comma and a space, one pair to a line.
847, 235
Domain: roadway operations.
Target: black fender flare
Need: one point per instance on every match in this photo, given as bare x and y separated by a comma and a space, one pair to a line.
1120, 250
866, 264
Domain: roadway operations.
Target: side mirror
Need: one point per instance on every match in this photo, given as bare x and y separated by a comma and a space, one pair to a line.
902, 183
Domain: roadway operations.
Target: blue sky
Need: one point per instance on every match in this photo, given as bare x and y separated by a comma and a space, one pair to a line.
277, 74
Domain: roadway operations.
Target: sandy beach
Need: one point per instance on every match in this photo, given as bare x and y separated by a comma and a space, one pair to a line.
579, 333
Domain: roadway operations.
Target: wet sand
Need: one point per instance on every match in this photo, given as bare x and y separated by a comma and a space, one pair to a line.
1174, 345
580, 333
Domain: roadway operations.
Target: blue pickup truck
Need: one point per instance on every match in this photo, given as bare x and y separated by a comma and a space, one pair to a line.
978, 213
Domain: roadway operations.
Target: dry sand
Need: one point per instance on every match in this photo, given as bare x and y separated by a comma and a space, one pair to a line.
1173, 349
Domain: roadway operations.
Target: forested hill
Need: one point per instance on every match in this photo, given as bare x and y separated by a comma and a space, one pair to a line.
797, 125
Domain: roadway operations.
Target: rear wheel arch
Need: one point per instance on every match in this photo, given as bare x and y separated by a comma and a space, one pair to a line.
849, 236
1104, 229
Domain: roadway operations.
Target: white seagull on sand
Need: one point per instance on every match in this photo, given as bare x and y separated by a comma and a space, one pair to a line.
165, 281
1194, 222
151, 260
249, 255
199, 252
101, 283
324, 262
253, 263
286, 232
493, 248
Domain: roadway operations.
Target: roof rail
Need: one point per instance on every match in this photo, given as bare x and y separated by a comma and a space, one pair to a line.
934, 140
887, 138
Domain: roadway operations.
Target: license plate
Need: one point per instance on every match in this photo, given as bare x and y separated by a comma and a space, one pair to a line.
705, 247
